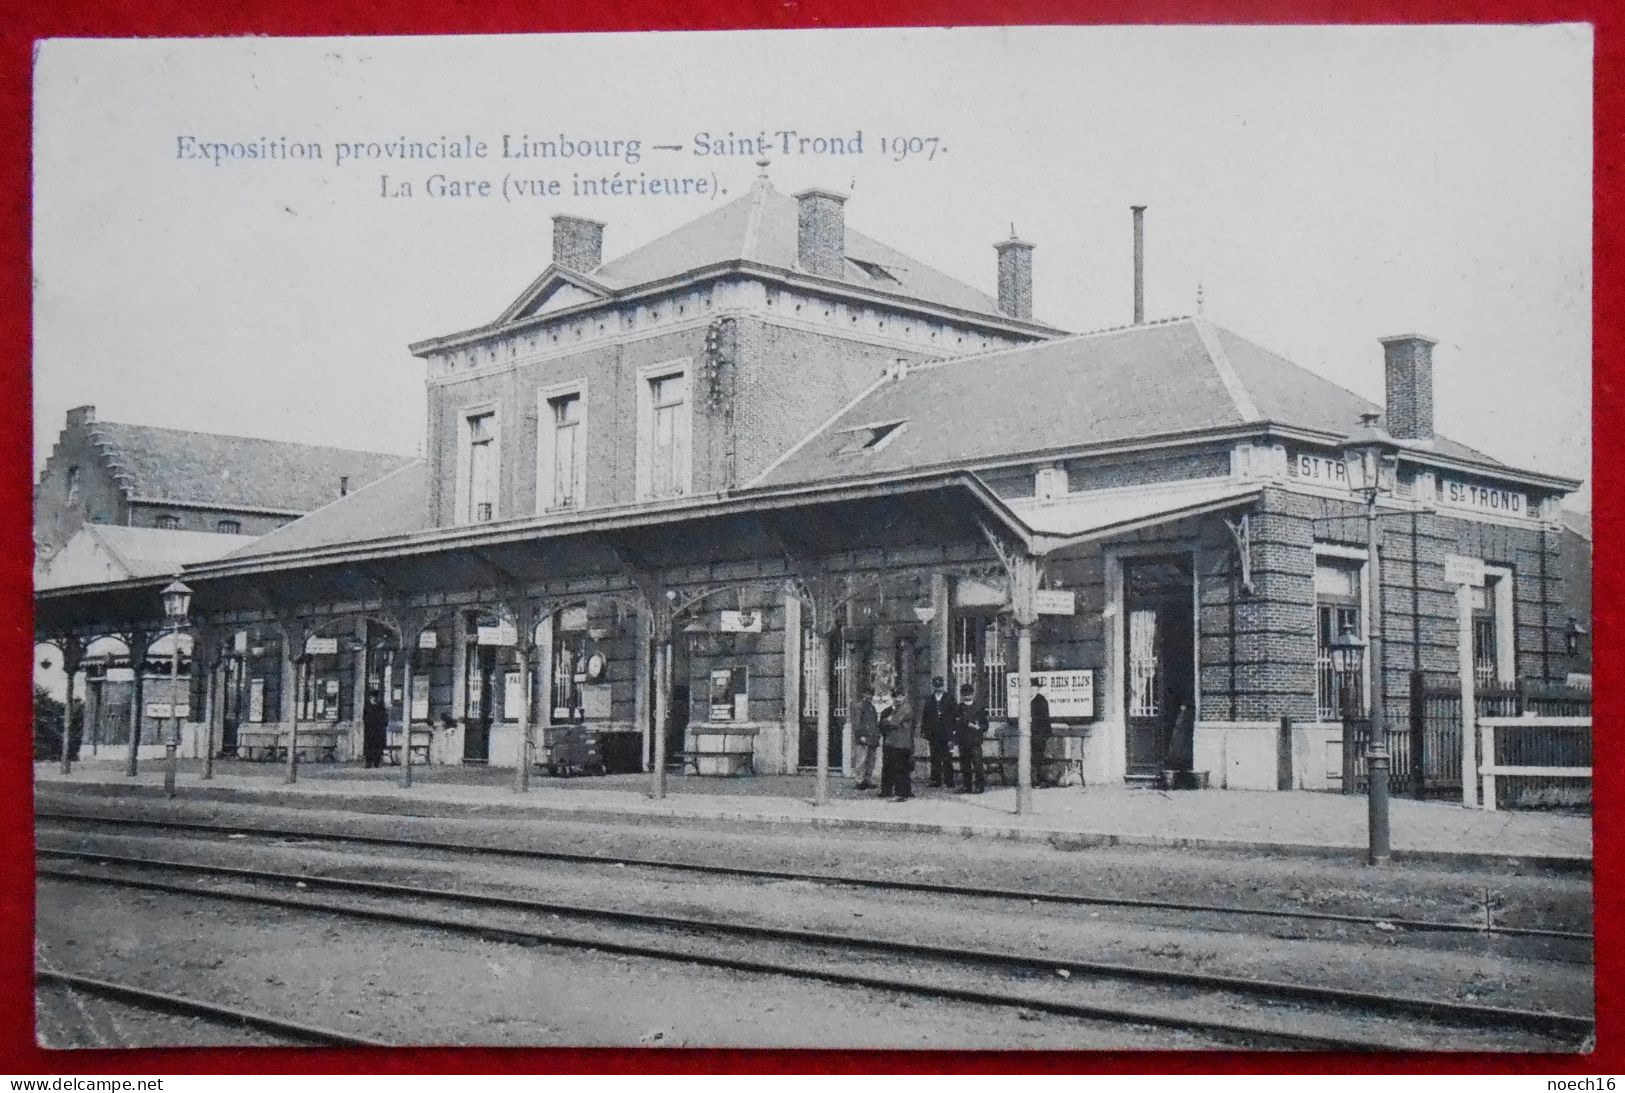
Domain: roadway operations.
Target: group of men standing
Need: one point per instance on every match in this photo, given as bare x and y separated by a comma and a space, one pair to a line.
884, 731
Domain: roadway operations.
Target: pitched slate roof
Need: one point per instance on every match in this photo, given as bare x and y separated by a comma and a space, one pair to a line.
760, 227
1577, 522
102, 553
395, 504
232, 472
1158, 379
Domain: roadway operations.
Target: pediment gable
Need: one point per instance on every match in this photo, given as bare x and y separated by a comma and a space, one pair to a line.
556, 289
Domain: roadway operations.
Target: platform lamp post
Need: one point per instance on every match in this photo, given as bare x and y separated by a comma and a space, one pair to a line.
177, 603
1371, 461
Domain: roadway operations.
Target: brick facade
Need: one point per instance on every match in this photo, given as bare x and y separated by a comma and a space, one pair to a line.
60, 511
777, 365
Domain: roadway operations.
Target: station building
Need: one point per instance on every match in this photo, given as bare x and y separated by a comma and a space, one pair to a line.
680, 505
117, 503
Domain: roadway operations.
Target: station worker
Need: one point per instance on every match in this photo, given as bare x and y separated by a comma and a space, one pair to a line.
970, 724
937, 725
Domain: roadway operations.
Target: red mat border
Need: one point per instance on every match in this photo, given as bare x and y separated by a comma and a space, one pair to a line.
188, 18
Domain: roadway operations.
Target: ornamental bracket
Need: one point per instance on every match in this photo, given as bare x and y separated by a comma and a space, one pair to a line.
1241, 532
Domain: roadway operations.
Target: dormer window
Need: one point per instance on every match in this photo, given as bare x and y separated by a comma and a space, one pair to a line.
875, 270
228, 527
167, 522
872, 438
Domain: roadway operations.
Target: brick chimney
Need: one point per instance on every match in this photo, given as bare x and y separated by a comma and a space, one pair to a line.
578, 243
821, 232
1015, 276
1408, 362
82, 415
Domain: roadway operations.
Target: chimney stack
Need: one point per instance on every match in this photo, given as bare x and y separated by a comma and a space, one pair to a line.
578, 243
1139, 263
344, 485
1408, 364
821, 232
1015, 276
82, 415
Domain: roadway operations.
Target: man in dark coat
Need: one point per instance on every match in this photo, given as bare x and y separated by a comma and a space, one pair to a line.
866, 737
937, 725
970, 724
1041, 732
897, 763
374, 727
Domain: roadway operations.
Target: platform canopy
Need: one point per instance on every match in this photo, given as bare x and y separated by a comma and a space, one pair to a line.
1093, 515
788, 525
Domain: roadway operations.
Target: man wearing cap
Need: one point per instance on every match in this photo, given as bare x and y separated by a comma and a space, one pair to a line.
970, 724
937, 725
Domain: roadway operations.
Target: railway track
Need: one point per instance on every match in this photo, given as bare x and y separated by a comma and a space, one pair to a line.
1185, 992
160, 1002
1037, 895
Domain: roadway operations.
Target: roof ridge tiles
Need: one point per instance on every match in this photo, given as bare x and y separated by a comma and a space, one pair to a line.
99, 425
1025, 347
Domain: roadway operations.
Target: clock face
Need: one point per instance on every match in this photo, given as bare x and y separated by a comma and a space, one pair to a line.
595, 666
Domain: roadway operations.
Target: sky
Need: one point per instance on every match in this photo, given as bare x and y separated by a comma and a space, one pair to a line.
1325, 187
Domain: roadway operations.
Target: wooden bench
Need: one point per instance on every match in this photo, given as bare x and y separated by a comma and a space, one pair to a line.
745, 760
420, 753
1002, 765
268, 742
271, 744
421, 740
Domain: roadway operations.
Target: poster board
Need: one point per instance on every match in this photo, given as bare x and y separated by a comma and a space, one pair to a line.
513, 695
595, 701
1070, 693
420, 698
730, 694
256, 700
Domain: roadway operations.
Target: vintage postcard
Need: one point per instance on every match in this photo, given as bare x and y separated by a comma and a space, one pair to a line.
1009, 538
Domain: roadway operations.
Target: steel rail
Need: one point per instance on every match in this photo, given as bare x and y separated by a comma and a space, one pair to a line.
194, 1007
759, 873
1117, 1015
1435, 1009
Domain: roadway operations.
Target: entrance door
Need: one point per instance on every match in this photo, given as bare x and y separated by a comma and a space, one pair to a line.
811, 650
480, 685
676, 727
1159, 677
234, 700
976, 655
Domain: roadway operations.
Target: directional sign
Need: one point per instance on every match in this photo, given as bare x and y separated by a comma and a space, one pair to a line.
502, 633
1052, 601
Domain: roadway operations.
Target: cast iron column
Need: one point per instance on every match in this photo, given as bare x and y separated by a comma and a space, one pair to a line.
137, 645
172, 738
1376, 754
